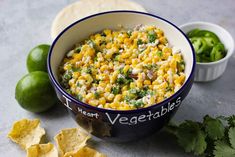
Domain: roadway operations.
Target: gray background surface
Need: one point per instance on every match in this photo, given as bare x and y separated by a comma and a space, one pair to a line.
26, 23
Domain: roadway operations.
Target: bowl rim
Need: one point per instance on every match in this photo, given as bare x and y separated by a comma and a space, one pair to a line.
77, 102
228, 55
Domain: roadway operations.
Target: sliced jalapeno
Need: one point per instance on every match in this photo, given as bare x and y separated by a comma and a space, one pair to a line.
199, 44
218, 52
193, 33
211, 41
207, 45
205, 33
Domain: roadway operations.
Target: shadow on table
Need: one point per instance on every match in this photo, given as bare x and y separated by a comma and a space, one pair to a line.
57, 111
160, 144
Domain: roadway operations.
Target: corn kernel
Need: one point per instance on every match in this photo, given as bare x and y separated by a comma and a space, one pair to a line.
126, 68
89, 96
132, 85
103, 68
147, 82
93, 102
102, 101
110, 97
117, 98
124, 88
139, 84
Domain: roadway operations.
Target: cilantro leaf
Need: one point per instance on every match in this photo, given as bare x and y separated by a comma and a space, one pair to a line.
191, 137
231, 135
213, 127
223, 149
231, 121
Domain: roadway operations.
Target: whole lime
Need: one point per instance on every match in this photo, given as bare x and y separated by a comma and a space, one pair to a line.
35, 93
37, 58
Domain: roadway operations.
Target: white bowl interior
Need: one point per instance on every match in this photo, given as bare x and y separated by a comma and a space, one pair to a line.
223, 35
83, 29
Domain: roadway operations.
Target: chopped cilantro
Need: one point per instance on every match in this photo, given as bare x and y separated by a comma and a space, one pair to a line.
79, 97
129, 33
103, 34
180, 66
78, 49
127, 98
152, 36
138, 103
115, 90
116, 56
78, 84
69, 91
95, 58
96, 81
97, 95
102, 42
121, 80
142, 93
76, 69
88, 70
67, 76
139, 42
159, 53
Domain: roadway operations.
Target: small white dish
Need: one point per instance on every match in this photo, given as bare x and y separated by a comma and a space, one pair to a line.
213, 70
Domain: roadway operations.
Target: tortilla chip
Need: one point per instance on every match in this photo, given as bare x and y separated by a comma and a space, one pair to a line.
42, 150
69, 140
85, 152
26, 132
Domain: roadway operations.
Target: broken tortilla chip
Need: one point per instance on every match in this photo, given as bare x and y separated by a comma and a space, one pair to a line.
85, 152
42, 150
70, 140
26, 132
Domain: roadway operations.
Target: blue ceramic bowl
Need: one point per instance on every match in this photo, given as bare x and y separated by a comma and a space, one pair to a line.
116, 125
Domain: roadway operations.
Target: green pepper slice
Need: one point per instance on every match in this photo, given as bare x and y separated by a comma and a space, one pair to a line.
211, 41
199, 44
218, 52
203, 33
193, 33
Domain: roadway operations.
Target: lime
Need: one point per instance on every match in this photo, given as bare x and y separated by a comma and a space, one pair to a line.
37, 58
35, 93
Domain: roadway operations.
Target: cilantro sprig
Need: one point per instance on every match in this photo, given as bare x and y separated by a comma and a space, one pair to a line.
214, 137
